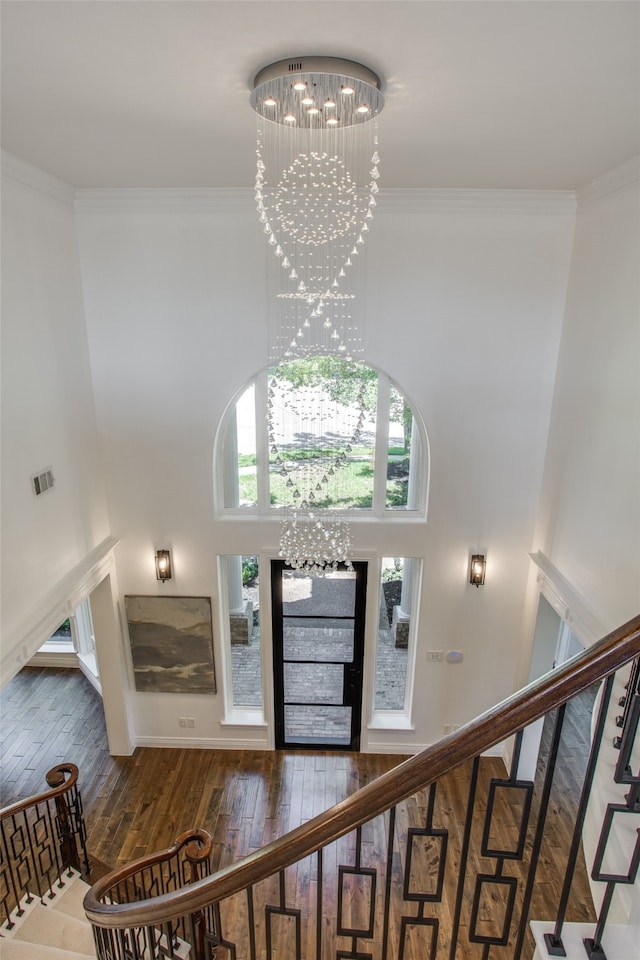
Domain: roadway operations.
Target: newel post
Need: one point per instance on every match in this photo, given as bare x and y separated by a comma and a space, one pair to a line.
66, 834
197, 855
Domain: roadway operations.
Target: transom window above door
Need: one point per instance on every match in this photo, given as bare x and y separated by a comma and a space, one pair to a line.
330, 432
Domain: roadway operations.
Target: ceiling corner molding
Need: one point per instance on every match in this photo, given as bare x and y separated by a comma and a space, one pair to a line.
164, 200
391, 200
626, 175
568, 603
455, 200
33, 178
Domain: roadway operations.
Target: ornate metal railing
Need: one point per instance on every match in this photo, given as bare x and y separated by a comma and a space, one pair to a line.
40, 838
157, 876
409, 867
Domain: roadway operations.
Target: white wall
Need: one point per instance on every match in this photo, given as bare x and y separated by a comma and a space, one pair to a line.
590, 508
464, 312
589, 522
48, 416
466, 298
176, 323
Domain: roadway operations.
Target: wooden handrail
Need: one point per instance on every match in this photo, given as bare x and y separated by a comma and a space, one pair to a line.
198, 844
59, 786
492, 727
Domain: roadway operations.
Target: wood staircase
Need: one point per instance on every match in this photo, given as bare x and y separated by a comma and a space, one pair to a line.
315, 892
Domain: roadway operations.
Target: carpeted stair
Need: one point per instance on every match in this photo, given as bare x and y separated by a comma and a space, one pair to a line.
55, 927
52, 927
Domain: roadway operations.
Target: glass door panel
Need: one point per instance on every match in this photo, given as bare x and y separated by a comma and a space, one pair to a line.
318, 637
313, 683
301, 640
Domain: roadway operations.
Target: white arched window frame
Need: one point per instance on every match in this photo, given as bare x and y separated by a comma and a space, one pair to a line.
226, 472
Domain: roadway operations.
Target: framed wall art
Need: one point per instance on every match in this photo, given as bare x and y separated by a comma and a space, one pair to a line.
171, 644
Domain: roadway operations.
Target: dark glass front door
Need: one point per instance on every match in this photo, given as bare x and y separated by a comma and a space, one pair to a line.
318, 651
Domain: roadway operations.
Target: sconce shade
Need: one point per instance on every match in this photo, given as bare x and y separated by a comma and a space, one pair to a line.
163, 564
477, 569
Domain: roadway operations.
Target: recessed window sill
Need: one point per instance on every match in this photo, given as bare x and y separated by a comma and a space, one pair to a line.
57, 646
244, 718
388, 720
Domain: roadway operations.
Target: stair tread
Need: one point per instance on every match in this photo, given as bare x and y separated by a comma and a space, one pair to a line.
68, 900
21, 950
45, 925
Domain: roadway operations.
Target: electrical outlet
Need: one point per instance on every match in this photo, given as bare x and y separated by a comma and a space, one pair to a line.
191, 721
433, 656
182, 721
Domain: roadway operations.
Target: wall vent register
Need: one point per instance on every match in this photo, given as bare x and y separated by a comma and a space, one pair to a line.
43, 481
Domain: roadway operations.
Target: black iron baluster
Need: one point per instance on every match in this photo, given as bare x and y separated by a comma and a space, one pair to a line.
359, 871
502, 854
252, 924
283, 911
47, 843
424, 896
218, 939
553, 941
11, 874
387, 882
540, 826
320, 878
593, 945
473, 783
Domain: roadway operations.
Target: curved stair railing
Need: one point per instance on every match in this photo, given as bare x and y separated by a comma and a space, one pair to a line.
160, 875
375, 875
40, 838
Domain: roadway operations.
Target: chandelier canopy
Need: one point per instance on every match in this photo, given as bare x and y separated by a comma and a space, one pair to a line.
317, 92
317, 172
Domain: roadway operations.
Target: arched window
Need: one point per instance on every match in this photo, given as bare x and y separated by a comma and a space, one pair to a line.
337, 432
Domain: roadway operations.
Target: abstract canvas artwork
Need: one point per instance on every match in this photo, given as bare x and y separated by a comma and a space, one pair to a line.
171, 644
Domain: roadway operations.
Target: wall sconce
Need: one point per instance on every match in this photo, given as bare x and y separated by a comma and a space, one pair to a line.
477, 569
163, 565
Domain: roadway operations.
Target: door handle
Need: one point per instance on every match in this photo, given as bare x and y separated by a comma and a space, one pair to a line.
352, 676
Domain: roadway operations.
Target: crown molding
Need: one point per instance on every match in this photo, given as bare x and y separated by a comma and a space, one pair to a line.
164, 200
453, 200
620, 178
391, 200
33, 178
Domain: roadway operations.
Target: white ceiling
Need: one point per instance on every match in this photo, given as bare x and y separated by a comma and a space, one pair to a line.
136, 93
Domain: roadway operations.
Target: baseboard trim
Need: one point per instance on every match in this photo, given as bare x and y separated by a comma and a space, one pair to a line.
202, 743
411, 750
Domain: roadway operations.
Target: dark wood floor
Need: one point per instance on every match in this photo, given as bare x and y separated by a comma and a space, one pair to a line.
244, 798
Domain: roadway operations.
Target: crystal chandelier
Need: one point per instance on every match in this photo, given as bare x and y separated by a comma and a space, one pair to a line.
317, 171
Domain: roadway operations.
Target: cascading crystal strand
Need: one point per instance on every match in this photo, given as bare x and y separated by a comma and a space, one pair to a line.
317, 172
315, 544
331, 428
